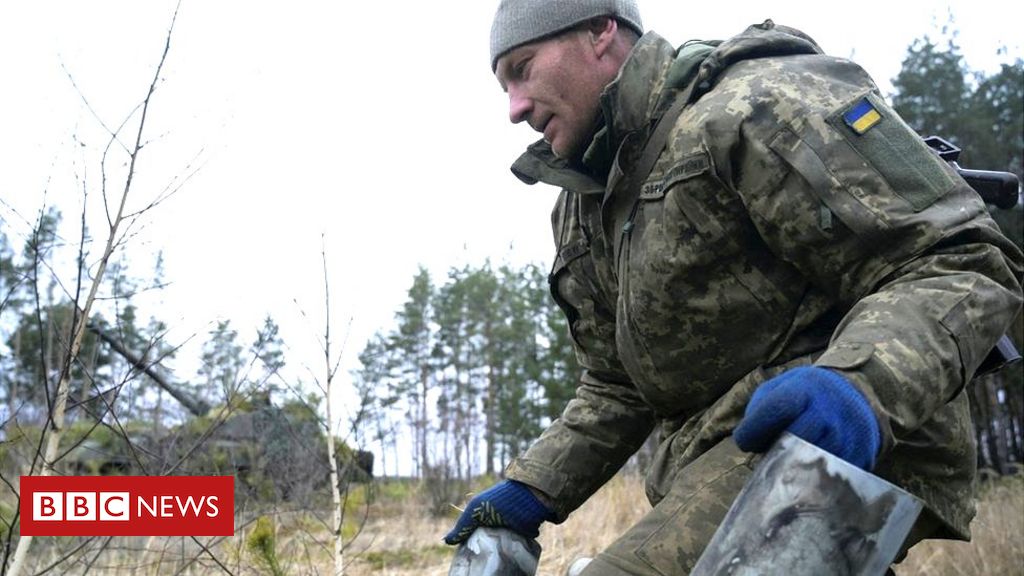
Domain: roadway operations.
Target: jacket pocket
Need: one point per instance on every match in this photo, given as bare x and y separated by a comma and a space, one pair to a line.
591, 325
564, 289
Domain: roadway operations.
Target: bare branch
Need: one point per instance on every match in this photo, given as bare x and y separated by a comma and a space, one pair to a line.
88, 566
113, 133
173, 186
60, 560
57, 409
211, 554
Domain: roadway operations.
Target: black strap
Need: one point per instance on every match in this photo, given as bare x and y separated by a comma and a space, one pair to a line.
656, 143
652, 150
641, 170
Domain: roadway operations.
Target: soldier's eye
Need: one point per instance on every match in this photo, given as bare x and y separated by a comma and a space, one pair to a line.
519, 71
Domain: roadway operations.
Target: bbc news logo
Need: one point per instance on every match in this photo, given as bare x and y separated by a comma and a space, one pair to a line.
127, 506
81, 506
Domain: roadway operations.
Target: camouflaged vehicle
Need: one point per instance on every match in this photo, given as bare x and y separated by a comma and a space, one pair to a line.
274, 452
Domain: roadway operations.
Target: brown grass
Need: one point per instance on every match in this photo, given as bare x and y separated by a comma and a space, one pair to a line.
401, 539
997, 547
595, 525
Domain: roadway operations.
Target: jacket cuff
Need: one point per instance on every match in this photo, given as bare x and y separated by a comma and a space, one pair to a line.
545, 479
857, 362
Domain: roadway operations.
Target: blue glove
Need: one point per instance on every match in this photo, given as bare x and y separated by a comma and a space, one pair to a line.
818, 405
507, 504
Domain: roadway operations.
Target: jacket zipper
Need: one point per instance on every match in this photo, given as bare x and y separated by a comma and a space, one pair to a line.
626, 236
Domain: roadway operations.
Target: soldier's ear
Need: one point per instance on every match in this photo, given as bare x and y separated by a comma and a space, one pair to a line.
601, 31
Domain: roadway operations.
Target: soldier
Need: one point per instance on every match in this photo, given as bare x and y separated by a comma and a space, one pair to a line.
748, 240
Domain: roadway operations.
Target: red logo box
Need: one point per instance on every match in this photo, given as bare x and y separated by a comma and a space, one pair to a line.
127, 506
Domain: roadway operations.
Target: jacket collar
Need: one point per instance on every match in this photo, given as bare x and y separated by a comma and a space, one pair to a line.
539, 164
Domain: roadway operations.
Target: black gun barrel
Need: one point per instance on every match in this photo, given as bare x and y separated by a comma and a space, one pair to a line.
1001, 189
1003, 354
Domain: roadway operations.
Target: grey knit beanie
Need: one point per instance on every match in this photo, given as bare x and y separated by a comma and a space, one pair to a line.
518, 22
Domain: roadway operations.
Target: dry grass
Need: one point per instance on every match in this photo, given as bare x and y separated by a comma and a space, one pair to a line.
401, 539
413, 545
997, 548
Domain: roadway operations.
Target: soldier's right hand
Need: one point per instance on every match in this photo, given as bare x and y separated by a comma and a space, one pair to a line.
508, 504
817, 404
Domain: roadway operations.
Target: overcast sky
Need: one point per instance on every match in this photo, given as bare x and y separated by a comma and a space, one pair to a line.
376, 125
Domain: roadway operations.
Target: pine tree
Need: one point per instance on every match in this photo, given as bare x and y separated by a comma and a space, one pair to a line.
371, 419
411, 345
453, 351
222, 364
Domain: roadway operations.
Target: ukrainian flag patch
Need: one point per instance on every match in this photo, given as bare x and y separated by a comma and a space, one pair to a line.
862, 116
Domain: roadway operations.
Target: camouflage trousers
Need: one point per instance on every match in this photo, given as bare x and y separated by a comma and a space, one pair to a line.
669, 539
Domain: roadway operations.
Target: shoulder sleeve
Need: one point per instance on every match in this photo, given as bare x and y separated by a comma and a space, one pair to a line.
841, 187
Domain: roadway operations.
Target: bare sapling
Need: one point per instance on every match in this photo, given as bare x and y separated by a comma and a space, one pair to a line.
331, 364
118, 220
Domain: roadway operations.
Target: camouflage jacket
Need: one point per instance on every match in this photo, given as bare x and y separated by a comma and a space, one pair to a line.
792, 218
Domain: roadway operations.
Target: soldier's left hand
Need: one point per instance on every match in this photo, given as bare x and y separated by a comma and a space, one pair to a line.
816, 404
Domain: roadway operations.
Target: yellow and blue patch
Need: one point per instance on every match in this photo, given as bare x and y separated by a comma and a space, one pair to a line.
862, 116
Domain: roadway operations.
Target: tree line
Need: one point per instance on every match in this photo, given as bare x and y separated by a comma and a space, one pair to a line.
472, 371
36, 315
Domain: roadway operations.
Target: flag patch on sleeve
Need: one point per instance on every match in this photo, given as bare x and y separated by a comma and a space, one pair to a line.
862, 116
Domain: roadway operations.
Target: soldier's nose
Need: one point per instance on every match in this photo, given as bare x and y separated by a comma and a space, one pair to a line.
519, 107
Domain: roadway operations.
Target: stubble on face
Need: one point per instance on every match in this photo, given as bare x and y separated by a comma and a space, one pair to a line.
553, 85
